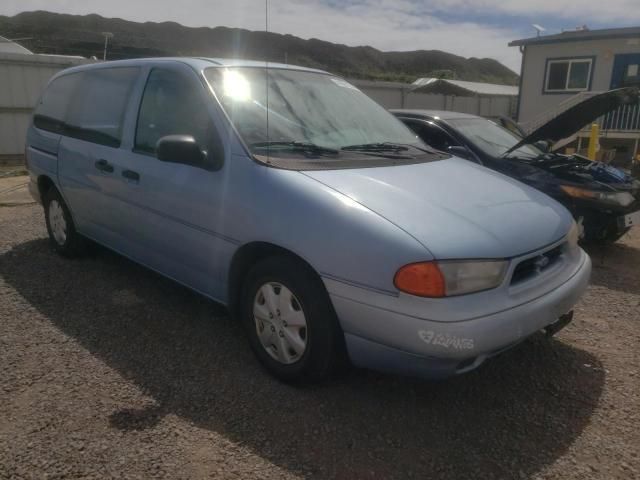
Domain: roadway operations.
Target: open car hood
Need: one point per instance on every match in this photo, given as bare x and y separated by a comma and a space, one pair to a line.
576, 117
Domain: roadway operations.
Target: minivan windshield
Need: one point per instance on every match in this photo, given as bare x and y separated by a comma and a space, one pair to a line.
493, 139
284, 108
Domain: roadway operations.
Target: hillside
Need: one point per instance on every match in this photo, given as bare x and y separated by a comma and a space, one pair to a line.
81, 35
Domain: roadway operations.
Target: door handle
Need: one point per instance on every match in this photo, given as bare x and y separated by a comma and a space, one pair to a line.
131, 175
104, 166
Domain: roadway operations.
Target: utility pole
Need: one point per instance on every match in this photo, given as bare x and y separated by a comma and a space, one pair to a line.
107, 36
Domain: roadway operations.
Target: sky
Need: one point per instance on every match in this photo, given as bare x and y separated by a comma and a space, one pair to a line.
470, 28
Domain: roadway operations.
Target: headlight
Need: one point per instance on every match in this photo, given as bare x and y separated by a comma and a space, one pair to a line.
623, 199
450, 278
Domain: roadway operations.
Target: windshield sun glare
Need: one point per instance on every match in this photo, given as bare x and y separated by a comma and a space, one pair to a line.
293, 107
236, 86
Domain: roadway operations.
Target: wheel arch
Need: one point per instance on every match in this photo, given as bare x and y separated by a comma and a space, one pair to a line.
245, 258
45, 183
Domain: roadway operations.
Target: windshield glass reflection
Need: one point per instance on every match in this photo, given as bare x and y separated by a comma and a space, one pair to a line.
493, 139
304, 110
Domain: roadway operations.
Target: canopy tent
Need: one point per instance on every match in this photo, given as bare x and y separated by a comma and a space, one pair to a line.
461, 88
8, 46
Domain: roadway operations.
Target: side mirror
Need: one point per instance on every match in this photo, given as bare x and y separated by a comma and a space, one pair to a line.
461, 152
543, 145
180, 149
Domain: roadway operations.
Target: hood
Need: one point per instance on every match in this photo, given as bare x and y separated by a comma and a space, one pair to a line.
455, 208
572, 120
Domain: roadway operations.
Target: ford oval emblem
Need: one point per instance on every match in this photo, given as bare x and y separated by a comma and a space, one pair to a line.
541, 262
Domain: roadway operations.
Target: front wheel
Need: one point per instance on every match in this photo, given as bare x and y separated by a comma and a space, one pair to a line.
617, 235
289, 320
601, 229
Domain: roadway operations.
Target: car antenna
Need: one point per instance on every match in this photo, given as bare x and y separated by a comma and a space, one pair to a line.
266, 70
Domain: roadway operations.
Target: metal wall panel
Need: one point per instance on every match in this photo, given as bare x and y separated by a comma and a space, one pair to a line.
13, 129
22, 79
387, 97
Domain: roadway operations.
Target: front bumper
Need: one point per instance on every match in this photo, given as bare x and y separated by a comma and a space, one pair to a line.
393, 341
601, 221
630, 220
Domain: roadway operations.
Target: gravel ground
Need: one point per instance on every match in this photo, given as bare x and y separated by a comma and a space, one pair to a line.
108, 370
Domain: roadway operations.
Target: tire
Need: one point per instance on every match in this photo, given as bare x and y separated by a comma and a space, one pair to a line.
604, 237
613, 237
63, 237
289, 351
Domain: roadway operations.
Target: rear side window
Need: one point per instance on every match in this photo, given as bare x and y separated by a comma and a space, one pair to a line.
97, 114
172, 105
51, 112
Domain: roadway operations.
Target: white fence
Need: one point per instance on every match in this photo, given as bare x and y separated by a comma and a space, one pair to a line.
398, 95
624, 119
22, 78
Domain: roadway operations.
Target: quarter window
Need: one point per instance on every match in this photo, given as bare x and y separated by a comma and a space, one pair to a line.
568, 75
51, 112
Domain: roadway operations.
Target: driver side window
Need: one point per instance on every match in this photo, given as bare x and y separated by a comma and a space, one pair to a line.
172, 105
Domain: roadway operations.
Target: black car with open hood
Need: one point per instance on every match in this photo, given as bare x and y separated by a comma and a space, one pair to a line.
604, 199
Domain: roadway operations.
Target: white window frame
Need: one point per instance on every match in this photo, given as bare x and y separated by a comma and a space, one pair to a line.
570, 61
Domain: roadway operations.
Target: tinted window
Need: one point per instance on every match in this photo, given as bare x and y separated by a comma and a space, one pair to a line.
51, 111
172, 104
493, 139
433, 135
98, 112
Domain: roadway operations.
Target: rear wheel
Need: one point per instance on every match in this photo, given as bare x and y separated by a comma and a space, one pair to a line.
62, 232
289, 320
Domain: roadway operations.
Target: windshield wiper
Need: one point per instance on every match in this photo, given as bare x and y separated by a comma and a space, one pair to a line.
296, 145
377, 147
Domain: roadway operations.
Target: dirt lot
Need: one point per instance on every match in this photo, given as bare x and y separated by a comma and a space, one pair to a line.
108, 370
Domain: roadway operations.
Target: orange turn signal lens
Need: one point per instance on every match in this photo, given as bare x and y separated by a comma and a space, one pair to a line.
422, 279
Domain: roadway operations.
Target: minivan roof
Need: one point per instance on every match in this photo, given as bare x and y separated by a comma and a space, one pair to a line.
198, 63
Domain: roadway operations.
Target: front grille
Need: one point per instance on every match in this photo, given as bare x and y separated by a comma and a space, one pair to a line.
531, 267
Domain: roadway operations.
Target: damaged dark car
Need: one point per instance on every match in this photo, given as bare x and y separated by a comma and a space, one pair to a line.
604, 199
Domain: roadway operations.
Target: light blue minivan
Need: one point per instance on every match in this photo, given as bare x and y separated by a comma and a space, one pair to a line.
326, 227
